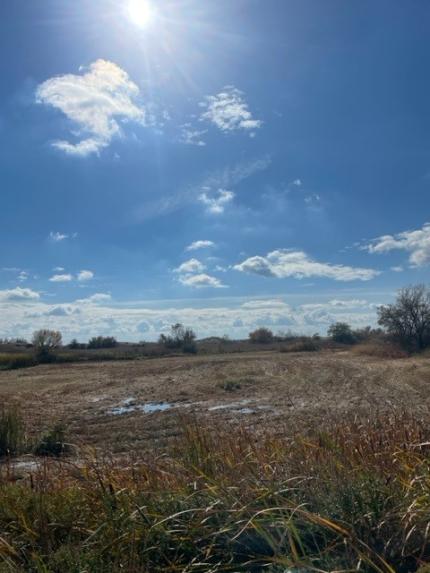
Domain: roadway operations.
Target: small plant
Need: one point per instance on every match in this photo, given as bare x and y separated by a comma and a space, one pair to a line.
12, 435
53, 443
179, 338
230, 385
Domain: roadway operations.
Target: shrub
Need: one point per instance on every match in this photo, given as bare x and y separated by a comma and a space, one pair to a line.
102, 342
75, 345
11, 431
341, 332
261, 335
230, 385
53, 443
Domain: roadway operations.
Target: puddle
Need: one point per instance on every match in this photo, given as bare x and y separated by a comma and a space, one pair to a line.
129, 405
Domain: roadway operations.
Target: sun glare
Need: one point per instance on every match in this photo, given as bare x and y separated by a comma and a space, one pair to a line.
141, 13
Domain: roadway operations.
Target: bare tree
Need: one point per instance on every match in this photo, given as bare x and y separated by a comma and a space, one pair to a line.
45, 341
408, 319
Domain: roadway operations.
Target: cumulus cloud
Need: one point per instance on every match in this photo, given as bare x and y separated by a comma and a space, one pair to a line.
96, 101
196, 245
215, 204
200, 281
65, 278
297, 264
83, 276
18, 294
416, 243
229, 111
191, 266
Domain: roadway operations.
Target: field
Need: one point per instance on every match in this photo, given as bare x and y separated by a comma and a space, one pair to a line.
251, 462
118, 405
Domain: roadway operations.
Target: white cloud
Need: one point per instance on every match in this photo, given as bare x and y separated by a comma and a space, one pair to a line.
397, 269
297, 183
417, 243
191, 136
65, 278
57, 237
216, 204
95, 101
96, 298
18, 294
200, 281
229, 111
85, 276
23, 276
85, 318
196, 245
297, 264
58, 269
191, 266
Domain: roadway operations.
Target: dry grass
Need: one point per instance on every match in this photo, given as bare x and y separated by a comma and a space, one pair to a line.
380, 349
354, 498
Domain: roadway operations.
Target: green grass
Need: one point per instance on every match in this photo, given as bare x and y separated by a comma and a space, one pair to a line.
354, 498
12, 434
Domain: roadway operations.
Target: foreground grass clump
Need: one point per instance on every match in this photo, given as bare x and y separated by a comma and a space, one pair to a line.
356, 498
12, 433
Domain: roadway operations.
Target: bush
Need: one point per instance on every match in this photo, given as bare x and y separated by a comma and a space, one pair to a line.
102, 342
11, 431
75, 345
230, 385
53, 443
341, 332
261, 336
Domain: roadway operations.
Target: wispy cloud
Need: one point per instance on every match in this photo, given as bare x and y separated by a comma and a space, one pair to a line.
196, 245
96, 102
297, 264
415, 242
229, 111
217, 202
192, 136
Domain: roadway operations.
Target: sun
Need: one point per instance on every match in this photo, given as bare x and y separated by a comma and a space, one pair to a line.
141, 13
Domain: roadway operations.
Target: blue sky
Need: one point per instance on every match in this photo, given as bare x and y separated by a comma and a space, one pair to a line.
223, 164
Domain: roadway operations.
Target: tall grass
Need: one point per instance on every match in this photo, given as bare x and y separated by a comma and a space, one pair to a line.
12, 435
354, 498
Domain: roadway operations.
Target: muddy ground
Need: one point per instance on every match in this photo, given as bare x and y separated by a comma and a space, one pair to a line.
118, 406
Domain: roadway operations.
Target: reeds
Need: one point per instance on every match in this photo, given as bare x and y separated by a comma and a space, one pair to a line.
353, 498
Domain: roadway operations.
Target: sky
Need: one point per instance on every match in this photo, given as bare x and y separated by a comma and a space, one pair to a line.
224, 164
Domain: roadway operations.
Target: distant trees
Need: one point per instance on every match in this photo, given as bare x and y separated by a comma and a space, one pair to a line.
261, 335
408, 319
180, 337
341, 332
102, 342
44, 342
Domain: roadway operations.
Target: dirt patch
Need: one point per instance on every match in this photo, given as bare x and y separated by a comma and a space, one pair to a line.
119, 405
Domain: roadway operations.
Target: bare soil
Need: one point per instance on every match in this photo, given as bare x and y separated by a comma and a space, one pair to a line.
283, 391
